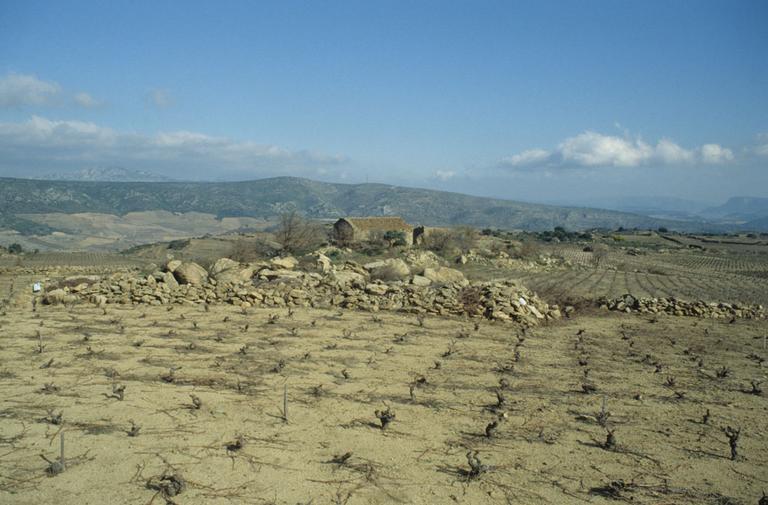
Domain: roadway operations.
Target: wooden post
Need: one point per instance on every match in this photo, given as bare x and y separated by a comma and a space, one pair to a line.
61, 455
285, 402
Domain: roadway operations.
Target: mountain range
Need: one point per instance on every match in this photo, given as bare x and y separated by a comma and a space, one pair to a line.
111, 174
267, 198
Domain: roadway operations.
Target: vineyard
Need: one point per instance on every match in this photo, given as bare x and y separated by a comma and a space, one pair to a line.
191, 405
48, 260
737, 278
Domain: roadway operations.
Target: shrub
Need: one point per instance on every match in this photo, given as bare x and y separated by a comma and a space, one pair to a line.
395, 238
177, 245
247, 251
599, 254
15, 248
462, 238
436, 240
471, 299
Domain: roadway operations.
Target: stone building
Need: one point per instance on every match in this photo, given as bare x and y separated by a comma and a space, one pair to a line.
358, 229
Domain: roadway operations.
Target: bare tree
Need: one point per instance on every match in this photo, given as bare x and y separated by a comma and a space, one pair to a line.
599, 254
296, 234
529, 249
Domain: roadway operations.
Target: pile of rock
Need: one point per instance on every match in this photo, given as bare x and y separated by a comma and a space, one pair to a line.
419, 285
673, 306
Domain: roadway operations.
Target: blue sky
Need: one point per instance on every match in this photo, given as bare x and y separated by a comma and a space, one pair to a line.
546, 101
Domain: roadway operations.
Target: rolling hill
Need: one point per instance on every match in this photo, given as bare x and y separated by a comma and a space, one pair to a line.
267, 198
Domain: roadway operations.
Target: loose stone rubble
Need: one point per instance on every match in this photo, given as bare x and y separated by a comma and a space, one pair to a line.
419, 282
673, 306
414, 285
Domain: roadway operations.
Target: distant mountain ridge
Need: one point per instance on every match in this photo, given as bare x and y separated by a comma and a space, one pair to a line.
267, 198
107, 174
740, 208
663, 207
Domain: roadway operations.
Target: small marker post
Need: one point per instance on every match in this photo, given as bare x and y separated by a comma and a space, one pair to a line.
61, 453
285, 402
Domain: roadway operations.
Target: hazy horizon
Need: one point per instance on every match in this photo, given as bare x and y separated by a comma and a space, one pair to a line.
541, 102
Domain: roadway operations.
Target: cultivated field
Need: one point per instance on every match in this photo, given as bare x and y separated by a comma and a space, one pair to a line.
733, 275
184, 405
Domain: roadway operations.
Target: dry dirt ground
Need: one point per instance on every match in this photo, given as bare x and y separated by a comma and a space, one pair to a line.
197, 397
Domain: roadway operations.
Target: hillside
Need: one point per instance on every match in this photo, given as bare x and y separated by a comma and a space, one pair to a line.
266, 198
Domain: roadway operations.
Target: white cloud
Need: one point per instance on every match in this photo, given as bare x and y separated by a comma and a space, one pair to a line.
762, 147
592, 149
45, 144
527, 158
17, 90
671, 153
160, 98
444, 175
715, 154
84, 99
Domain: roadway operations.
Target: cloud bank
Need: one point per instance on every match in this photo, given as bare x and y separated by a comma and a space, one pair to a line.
40, 145
591, 149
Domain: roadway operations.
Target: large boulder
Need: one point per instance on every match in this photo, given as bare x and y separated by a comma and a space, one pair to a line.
235, 276
287, 263
393, 269
190, 273
419, 260
222, 265
227, 271
346, 278
444, 275
169, 280
374, 265
172, 265
269, 274
57, 296
324, 263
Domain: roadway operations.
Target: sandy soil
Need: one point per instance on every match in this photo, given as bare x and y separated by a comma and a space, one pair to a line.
217, 420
